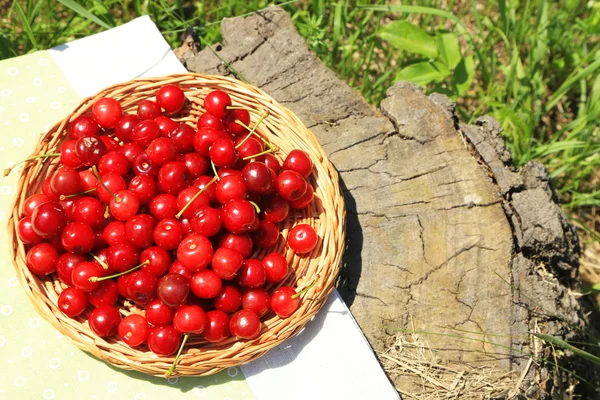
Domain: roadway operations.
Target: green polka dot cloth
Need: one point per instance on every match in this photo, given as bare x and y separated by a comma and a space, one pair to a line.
38, 362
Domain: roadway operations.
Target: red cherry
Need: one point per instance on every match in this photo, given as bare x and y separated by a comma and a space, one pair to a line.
89, 150
133, 330
275, 209
204, 139
276, 267
147, 109
78, 238
47, 191
189, 319
206, 221
143, 166
251, 274
48, 219
282, 302
142, 287
266, 235
105, 294
228, 300
226, 263
83, 126
165, 124
114, 233
298, 161
164, 206
302, 239
65, 181
106, 112
230, 187
184, 200
122, 257
173, 177
206, 284
201, 183
178, 268
144, 188
161, 151
65, 265
168, 233
241, 243
124, 127
68, 154
257, 177
123, 285
183, 137
101, 260
207, 120
124, 205
88, 180
290, 185
164, 340
72, 301
171, 98
68, 204
196, 164
217, 326
110, 143
42, 258
104, 320
32, 202
223, 153
195, 252
113, 161
216, 103
26, 233
173, 290
232, 118
138, 230
245, 324
88, 210
82, 274
159, 260
272, 162
249, 147
114, 182
257, 300
305, 200
131, 151
145, 132
158, 313
239, 216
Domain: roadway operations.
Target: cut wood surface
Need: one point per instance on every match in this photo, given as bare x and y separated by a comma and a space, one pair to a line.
446, 241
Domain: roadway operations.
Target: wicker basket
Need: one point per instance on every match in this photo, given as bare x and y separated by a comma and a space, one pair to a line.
326, 215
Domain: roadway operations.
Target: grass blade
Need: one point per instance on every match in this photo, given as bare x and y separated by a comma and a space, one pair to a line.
569, 83
26, 25
567, 346
84, 13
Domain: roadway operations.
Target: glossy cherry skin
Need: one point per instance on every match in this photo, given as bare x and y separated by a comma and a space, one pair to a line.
206, 284
165, 124
170, 98
302, 239
204, 139
104, 320
83, 272
226, 263
159, 260
282, 302
144, 188
183, 137
114, 233
230, 187
290, 185
78, 238
48, 192
210, 121
276, 267
142, 287
65, 181
164, 206
72, 301
26, 233
88, 181
173, 177
305, 200
32, 202
68, 155
145, 132
105, 294
217, 326
138, 230
266, 235
272, 162
123, 285
241, 243
229, 299
216, 103
230, 122
164, 340
168, 233
298, 161
64, 267
106, 112
124, 206
114, 182
161, 151
257, 300
249, 147
206, 221
275, 209
142, 165
113, 161
190, 319
89, 150
147, 109
83, 126
195, 252
251, 274
173, 290
124, 127
196, 164
257, 177
158, 313
178, 268
205, 182
110, 143
122, 257
42, 258
245, 324
185, 199
223, 153
133, 330
68, 204
48, 219
88, 210
238, 216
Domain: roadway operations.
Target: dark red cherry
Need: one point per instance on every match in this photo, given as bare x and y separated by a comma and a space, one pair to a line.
165, 124
138, 230
104, 320
131, 151
275, 209
142, 287
124, 127
48, 219
305, 200
183, 137
266, 235
228, 300
241, 243
89, 150
257, 300
257, 177
173, 177
65, 181
145, 132
251, 274
232, 119
173, 290
65, 265
196, 164
147, 109
83, 126
290, 185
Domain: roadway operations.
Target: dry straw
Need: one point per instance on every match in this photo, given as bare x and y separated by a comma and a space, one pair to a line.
326, 215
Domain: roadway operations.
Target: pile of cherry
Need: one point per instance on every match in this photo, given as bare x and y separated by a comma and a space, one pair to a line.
167, 216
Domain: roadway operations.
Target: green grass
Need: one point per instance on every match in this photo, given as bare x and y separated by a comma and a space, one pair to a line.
534, 65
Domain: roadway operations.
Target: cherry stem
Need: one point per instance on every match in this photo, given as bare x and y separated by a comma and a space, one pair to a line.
252, 110
253, 130
180, 213
107, 212
103, 278
8, 170
185, 338
214, 168
99, 260
97, 175
258, 154
306, 289
62, 197
256, 207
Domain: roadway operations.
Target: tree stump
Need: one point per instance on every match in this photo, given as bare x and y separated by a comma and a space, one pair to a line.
453, 256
